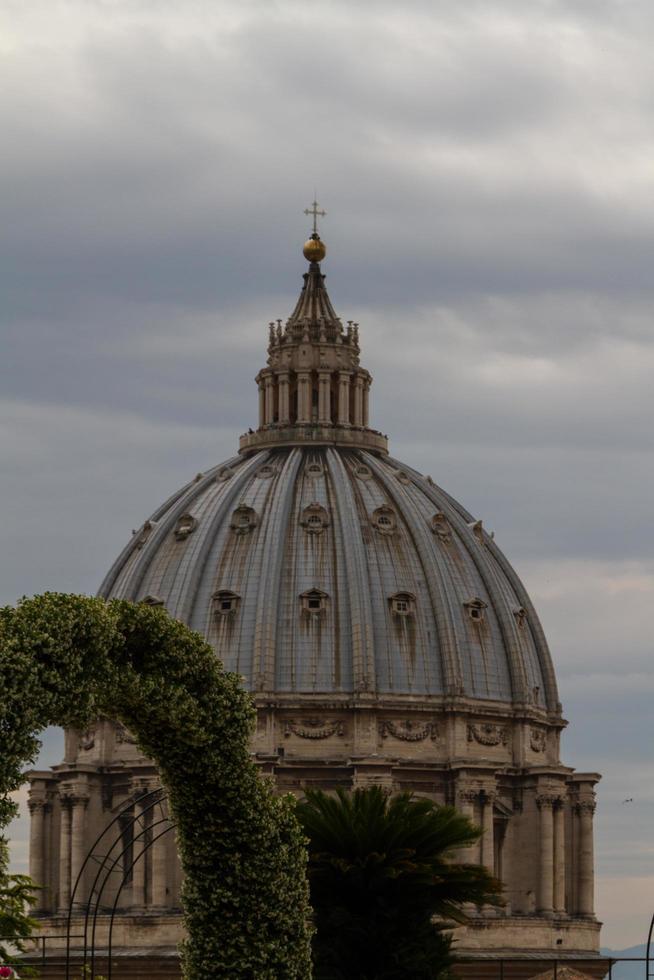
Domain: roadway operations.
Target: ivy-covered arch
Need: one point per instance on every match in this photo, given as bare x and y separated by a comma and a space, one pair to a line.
65, 660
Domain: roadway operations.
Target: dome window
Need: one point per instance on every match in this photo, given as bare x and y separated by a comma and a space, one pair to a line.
363, 472
225, 603
403, 477
314, 519
314, 469
476, 609
185, 525
244, 520
441, 526
224, 474
314, 602
384, 520
266, 471
403, 604
152, 600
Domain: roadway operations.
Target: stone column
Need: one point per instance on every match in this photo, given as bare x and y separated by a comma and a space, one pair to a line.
159, 853
585, 873
465, 803
324, 412
284, 404
366, 404
37, 847
546, 858
64, 854
270, 399
262, 402
488, 837
303, 397
343, 397
358, 401
77, 848
559, 856
140, 840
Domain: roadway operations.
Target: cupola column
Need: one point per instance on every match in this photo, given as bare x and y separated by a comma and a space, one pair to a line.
366, 403
283, 394
324, 413
343, 397
303, 397
270, 399
585, 877
262, 401
546, 858
358, 401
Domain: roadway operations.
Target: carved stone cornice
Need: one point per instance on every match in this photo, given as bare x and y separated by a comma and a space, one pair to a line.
313, 728
585, 806
486, 733
409, 731
548, 801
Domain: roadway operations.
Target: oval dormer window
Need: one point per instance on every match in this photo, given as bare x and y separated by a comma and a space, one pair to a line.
384, 520
244, 520
314, 470
363, 472
266, 471
314, 519
185, 525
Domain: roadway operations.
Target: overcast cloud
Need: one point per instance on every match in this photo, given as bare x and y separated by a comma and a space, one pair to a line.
488, 172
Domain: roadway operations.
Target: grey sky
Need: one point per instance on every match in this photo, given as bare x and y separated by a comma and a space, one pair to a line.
488, 172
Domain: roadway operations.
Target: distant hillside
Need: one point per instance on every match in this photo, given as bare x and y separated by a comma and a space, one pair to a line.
628, 971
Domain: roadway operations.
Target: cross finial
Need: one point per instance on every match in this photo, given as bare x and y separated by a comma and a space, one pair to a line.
315, 212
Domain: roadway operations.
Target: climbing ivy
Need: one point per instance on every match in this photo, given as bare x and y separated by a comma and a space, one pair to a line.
65, 660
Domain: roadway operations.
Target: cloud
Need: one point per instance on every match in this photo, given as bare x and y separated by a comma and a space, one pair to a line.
487, 171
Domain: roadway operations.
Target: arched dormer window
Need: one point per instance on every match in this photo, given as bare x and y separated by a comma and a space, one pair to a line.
225, 603
314, 602
384, 520
266, 471
152, 600
476, 609
244, 520
313, 469
402, 604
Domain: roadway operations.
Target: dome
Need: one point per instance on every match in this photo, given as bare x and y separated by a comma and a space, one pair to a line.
330, 569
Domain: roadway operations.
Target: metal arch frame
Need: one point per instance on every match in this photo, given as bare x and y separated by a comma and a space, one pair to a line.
92, 906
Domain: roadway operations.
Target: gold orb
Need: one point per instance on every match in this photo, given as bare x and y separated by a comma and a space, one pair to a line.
314, 250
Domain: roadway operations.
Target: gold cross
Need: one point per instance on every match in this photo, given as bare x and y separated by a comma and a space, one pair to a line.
315, 212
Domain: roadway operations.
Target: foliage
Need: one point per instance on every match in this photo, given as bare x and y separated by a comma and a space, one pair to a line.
16, 899
66, 660
381, 868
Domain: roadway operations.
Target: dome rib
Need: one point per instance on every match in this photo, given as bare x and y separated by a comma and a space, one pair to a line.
267, 620
202, 546
450, 653
362, 628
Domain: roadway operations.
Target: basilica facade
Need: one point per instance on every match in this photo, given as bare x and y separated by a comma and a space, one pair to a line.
386, 641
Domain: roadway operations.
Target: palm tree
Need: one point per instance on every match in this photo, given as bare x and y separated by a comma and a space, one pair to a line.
385, 884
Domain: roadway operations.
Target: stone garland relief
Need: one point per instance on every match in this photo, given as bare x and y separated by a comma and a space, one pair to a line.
537, 739
487, 734
313, 728
409, 731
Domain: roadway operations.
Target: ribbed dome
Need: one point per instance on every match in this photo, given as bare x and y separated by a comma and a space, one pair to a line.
317, 570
